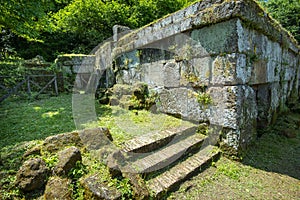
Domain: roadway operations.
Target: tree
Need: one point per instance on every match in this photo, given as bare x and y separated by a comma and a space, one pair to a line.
91, 21
23, 20
287, 12
50, 27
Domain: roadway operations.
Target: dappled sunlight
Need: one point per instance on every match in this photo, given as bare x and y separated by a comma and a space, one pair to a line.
50, 114
126, 124
34, 120
37, 108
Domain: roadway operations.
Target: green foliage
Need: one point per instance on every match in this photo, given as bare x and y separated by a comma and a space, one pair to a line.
78, 171
204, 98
124, 186
50, 160
51, 27
24, 18
43, 121
14, 68
287, 12
231, 170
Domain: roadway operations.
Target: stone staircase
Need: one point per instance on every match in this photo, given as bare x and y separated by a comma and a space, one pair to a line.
165, 158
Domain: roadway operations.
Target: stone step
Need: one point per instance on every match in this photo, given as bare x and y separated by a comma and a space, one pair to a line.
172, 178
152, 141
154, 161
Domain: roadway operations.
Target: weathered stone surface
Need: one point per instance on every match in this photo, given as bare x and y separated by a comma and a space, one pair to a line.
114, 161
214, 44
58, 142
153, 75
171, 73
152, 141
154, 161
131, 97
97, 189
201, 67
96, 138
33, 151
32, 175
58, 188
180, 172
182, 102
218, 38
235, 109
67, 160
140, 190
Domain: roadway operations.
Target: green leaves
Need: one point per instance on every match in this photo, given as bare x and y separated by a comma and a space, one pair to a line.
287, 12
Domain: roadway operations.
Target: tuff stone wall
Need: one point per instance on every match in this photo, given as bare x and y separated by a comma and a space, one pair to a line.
76, 69
222, 62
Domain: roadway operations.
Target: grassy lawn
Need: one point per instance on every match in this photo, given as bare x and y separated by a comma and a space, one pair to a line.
270, 169
25, 123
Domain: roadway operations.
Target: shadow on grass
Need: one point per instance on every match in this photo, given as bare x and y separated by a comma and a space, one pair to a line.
23, 122
103, 110
26, 120
278, 149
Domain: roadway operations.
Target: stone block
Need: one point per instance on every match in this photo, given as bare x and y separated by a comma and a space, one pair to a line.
178, 16
186, 24
166, 21
276, 95
32, 175
234, 109
202, 69
218, 38
96, 138
171, 73
58, 142
192, 10
58, 188
260, 72
97, 189
263, 100
182, 102
153, 75
224, 111
67, 159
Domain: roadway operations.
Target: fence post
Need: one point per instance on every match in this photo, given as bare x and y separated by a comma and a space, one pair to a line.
55, 85
28, 85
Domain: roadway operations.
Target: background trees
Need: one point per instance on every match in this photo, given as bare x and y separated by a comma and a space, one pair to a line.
287, 12
23, 20
51, 27
77, 26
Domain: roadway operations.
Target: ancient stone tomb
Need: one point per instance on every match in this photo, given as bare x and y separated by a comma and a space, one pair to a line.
226, 63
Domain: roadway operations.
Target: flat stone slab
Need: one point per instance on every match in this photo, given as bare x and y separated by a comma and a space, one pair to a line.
155, 140
182, 171
167, 155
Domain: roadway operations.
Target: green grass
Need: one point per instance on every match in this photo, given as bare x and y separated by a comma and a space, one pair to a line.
25, 123
126, 124
270, 169
34, 120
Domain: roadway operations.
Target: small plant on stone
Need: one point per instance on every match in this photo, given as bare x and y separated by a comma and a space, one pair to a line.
50, 160
78, 171
75, 174
190, 77
125, 188
204, 98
